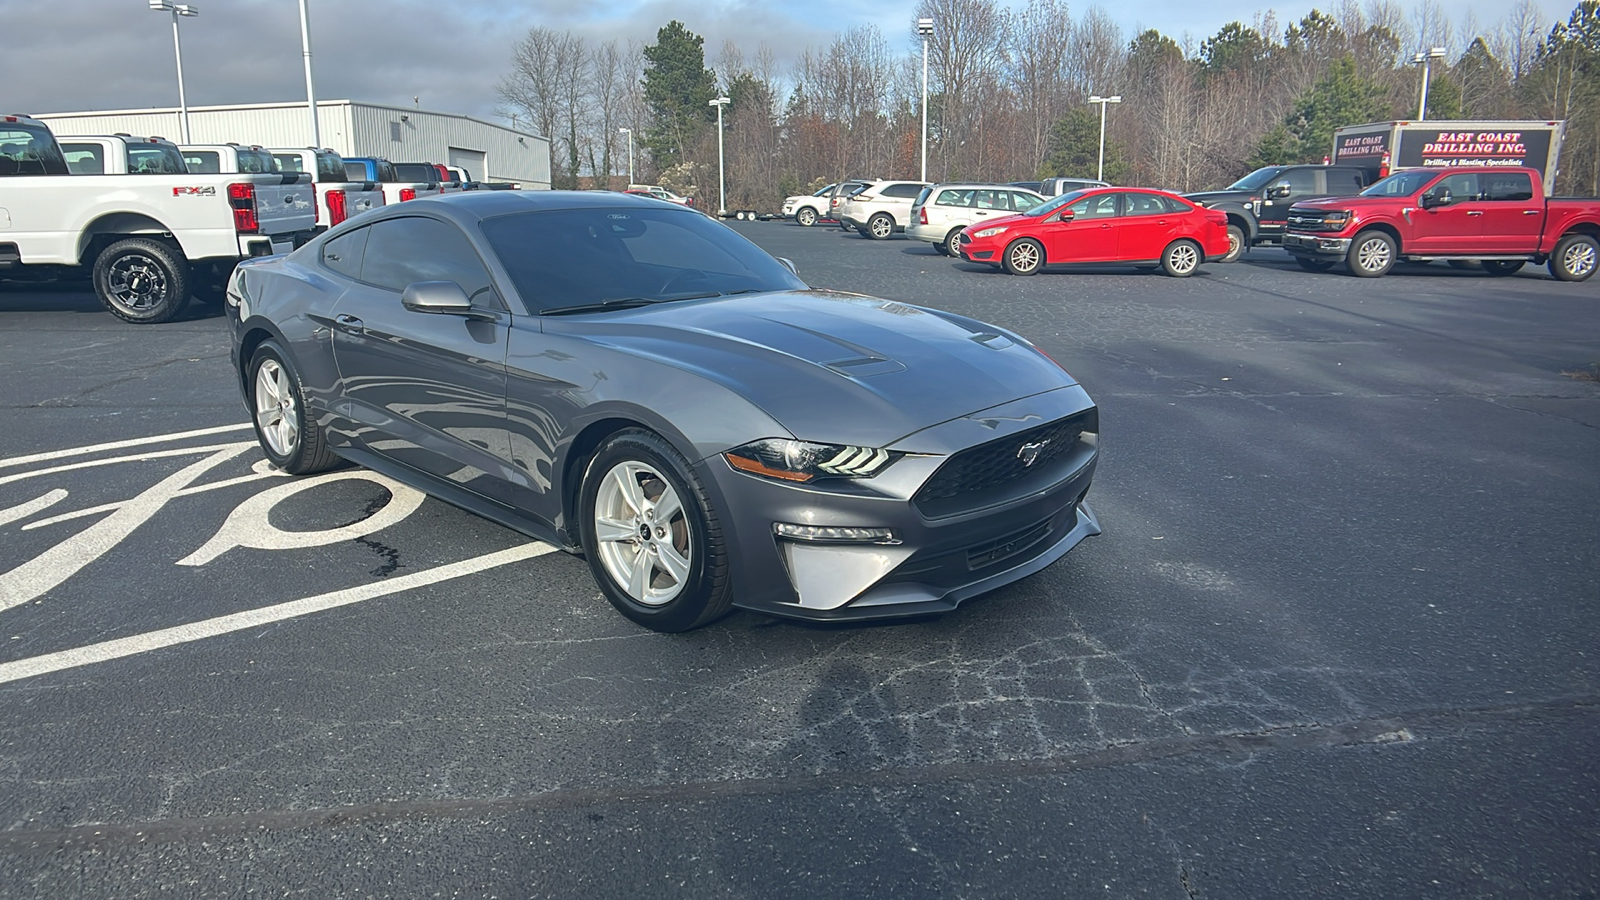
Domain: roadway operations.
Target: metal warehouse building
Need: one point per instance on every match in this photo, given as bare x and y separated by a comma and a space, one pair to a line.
489, 152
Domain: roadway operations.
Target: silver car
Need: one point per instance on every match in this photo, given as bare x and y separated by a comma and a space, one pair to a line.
941, 212
631, 381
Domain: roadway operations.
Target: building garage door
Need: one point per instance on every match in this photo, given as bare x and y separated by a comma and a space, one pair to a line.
471, 160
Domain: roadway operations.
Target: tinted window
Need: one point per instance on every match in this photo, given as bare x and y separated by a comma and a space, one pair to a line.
330, 167
1513, 186
343, 253
1301, 181
902, 191
84, 159
386, 171
922, 196
1256, 179
1024, 202
203, 162
954, 198
356, 171
1136, 204
255, 162
1343, 182
1462, 186
25, 150
155, 159
570, 257
289, 162
1400, 184
416, 172
411, 249
1096, 206
1174, 205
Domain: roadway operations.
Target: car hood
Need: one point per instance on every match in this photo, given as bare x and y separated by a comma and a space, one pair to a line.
1209, 197
832, 367
1346, 202
1011, 221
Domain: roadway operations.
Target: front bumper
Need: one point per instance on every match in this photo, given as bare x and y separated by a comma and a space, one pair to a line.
1303, 243
935, 561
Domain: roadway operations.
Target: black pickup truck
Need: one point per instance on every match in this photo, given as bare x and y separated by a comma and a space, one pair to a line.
1258, 204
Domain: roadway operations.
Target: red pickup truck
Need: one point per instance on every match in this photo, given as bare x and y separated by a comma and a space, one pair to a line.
1498, 216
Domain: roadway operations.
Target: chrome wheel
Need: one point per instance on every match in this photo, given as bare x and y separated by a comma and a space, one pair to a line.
882, 227
642, 533
1182, 259
1579, 260
276, 414
137, 282
1023, 257
1235, 243
1375, 254
806, 216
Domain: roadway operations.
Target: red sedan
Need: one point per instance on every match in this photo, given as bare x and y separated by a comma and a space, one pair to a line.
1137, 226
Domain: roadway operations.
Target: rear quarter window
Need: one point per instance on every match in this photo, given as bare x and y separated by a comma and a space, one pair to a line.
954, 198
84, 159
203, 162
29, 151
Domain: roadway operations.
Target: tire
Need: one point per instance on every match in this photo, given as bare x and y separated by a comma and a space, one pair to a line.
669, 575
1314, 265
1372, 254
1503, 267
1575, 258
880, 227
141, 281
805, 217
1235, 244
1024, 257
290, 439
938, 248
952, 242
1182, 258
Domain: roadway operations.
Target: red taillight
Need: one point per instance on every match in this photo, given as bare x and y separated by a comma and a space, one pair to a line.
337, 211
242, 197
408, 194
316, 208
922, 215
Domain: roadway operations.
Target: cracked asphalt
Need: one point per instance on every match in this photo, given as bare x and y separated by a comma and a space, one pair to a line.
1339, 637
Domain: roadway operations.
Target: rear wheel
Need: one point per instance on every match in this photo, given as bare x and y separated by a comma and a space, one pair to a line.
1023, 257
1503, 266
1314, 265
1372, 254
1575, 258
1181, 258
142, 281
806, 216
952, 242
880, 227
1235, 244
652, 540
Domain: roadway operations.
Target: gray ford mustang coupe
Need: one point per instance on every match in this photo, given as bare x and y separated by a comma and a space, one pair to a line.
637, 383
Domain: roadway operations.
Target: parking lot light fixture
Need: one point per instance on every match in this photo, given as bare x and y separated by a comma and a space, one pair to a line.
178, 10
925, 28
722, 189
1100, 174
1425, 60
629, 133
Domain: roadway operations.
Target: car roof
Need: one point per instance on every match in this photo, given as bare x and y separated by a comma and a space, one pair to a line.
487, 204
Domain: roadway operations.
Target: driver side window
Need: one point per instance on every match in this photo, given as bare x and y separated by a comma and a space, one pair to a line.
1462, 187
413, 248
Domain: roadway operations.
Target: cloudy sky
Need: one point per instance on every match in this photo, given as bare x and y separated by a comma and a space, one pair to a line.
117, 54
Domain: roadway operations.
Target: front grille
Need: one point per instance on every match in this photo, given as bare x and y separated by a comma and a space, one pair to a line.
987, 467
1310, 221
1006, 547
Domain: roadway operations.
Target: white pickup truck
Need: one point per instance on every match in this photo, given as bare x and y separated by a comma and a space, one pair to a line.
338, 198
147, 230
395, 188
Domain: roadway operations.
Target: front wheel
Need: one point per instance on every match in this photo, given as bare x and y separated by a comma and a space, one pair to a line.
1372, 254
1181, 258
1575, 258
142, 281
1503, 267
806, 217
1023, 257
289, 435
1235, 244
1314, 265
652, 540
880, 227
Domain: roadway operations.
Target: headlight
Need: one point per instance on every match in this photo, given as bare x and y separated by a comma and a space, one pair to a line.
802, 461
989, 232
1339, 219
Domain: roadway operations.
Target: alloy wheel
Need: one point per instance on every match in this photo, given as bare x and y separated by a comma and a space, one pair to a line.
1374, 254
881, 227
137, 282
1579, 259
642, 532
1024, 257
1183, 259
276, 415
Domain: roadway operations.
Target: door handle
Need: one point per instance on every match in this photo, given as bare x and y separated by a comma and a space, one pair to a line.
1530, 212
1474, 212
348, 323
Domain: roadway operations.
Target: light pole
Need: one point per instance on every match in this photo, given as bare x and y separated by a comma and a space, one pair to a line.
311, 92
1100, 175
629, 133
178, 9
722, 190
925, 28
1425, 60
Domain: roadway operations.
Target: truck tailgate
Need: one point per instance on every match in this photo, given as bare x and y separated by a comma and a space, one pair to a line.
283, 203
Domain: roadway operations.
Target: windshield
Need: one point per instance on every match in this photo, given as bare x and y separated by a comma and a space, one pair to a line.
26, 150
821, 191
1256, 179
1400, 184
1053, 204
575, 257
416, 172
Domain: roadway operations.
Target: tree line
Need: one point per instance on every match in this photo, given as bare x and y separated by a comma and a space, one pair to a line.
1008, 91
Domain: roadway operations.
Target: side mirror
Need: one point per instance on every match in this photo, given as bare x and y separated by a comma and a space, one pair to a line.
1281, 189
1442, 197
1064, 216
442, 297
789, 264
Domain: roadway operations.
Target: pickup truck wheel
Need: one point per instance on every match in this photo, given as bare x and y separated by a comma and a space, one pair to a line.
141, 281
1371, 254
1314, 265
1235, 244
1575, 258
952, 243
1503, 266
806, 217
289, 434
880, 227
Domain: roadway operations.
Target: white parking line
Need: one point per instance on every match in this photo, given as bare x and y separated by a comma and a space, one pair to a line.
167, 637
117, 445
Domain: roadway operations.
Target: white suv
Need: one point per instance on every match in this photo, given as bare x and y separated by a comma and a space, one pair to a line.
880, 209
806, 209
940, 212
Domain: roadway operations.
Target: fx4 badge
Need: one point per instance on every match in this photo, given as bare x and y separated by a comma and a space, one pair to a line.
1029, 453
201, 191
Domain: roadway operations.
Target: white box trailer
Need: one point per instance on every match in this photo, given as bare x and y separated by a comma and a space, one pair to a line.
1383, 147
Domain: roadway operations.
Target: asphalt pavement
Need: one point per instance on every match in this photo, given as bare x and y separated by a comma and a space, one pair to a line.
1338, 639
